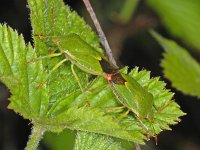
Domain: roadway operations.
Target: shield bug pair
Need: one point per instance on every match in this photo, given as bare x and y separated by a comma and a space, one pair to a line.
125, 88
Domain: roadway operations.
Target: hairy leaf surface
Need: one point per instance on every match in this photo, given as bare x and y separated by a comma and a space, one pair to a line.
91, 141
21, 77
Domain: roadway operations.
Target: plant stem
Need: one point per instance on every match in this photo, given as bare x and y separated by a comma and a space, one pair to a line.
102, 36
137, 147
35, 137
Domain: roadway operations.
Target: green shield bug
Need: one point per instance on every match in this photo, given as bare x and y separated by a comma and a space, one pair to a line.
132, 95
79, 52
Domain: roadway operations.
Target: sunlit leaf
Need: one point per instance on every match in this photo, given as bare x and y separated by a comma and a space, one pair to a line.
21, 77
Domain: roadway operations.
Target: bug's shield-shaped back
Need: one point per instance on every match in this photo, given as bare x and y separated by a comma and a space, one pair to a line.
80, 53
134, 97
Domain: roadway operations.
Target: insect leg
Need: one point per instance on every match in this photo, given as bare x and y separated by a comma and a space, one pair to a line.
44, 57
113, 108
78, 81
155, 135
125, 114
76, 77
144, 127
54, 68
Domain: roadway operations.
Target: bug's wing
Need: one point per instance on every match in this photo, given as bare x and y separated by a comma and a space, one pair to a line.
142, 97
86, 63
73, 43
80, 53
125, 97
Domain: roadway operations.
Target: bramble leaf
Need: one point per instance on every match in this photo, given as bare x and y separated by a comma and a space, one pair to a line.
20, 76
180, 67
91, 141
181, 17
89, 119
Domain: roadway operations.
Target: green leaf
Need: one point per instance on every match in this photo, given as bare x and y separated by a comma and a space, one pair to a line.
52, 17
91, 141
76, 119
88, 119
181, 17
20, 76
180, 67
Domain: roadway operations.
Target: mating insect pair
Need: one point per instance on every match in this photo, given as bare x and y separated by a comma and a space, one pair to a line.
125, 88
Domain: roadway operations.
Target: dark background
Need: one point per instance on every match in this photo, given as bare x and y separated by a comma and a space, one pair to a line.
137, 48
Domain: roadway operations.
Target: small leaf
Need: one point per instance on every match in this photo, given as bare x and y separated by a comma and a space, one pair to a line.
21, 77
180, 67
181, 17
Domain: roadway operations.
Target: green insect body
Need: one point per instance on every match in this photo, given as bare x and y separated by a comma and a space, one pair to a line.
132, 95
80, 53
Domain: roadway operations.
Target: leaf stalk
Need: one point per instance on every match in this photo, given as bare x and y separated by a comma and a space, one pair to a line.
35, 137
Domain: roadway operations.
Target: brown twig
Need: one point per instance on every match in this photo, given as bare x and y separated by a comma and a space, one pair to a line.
137, 147
102, 36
